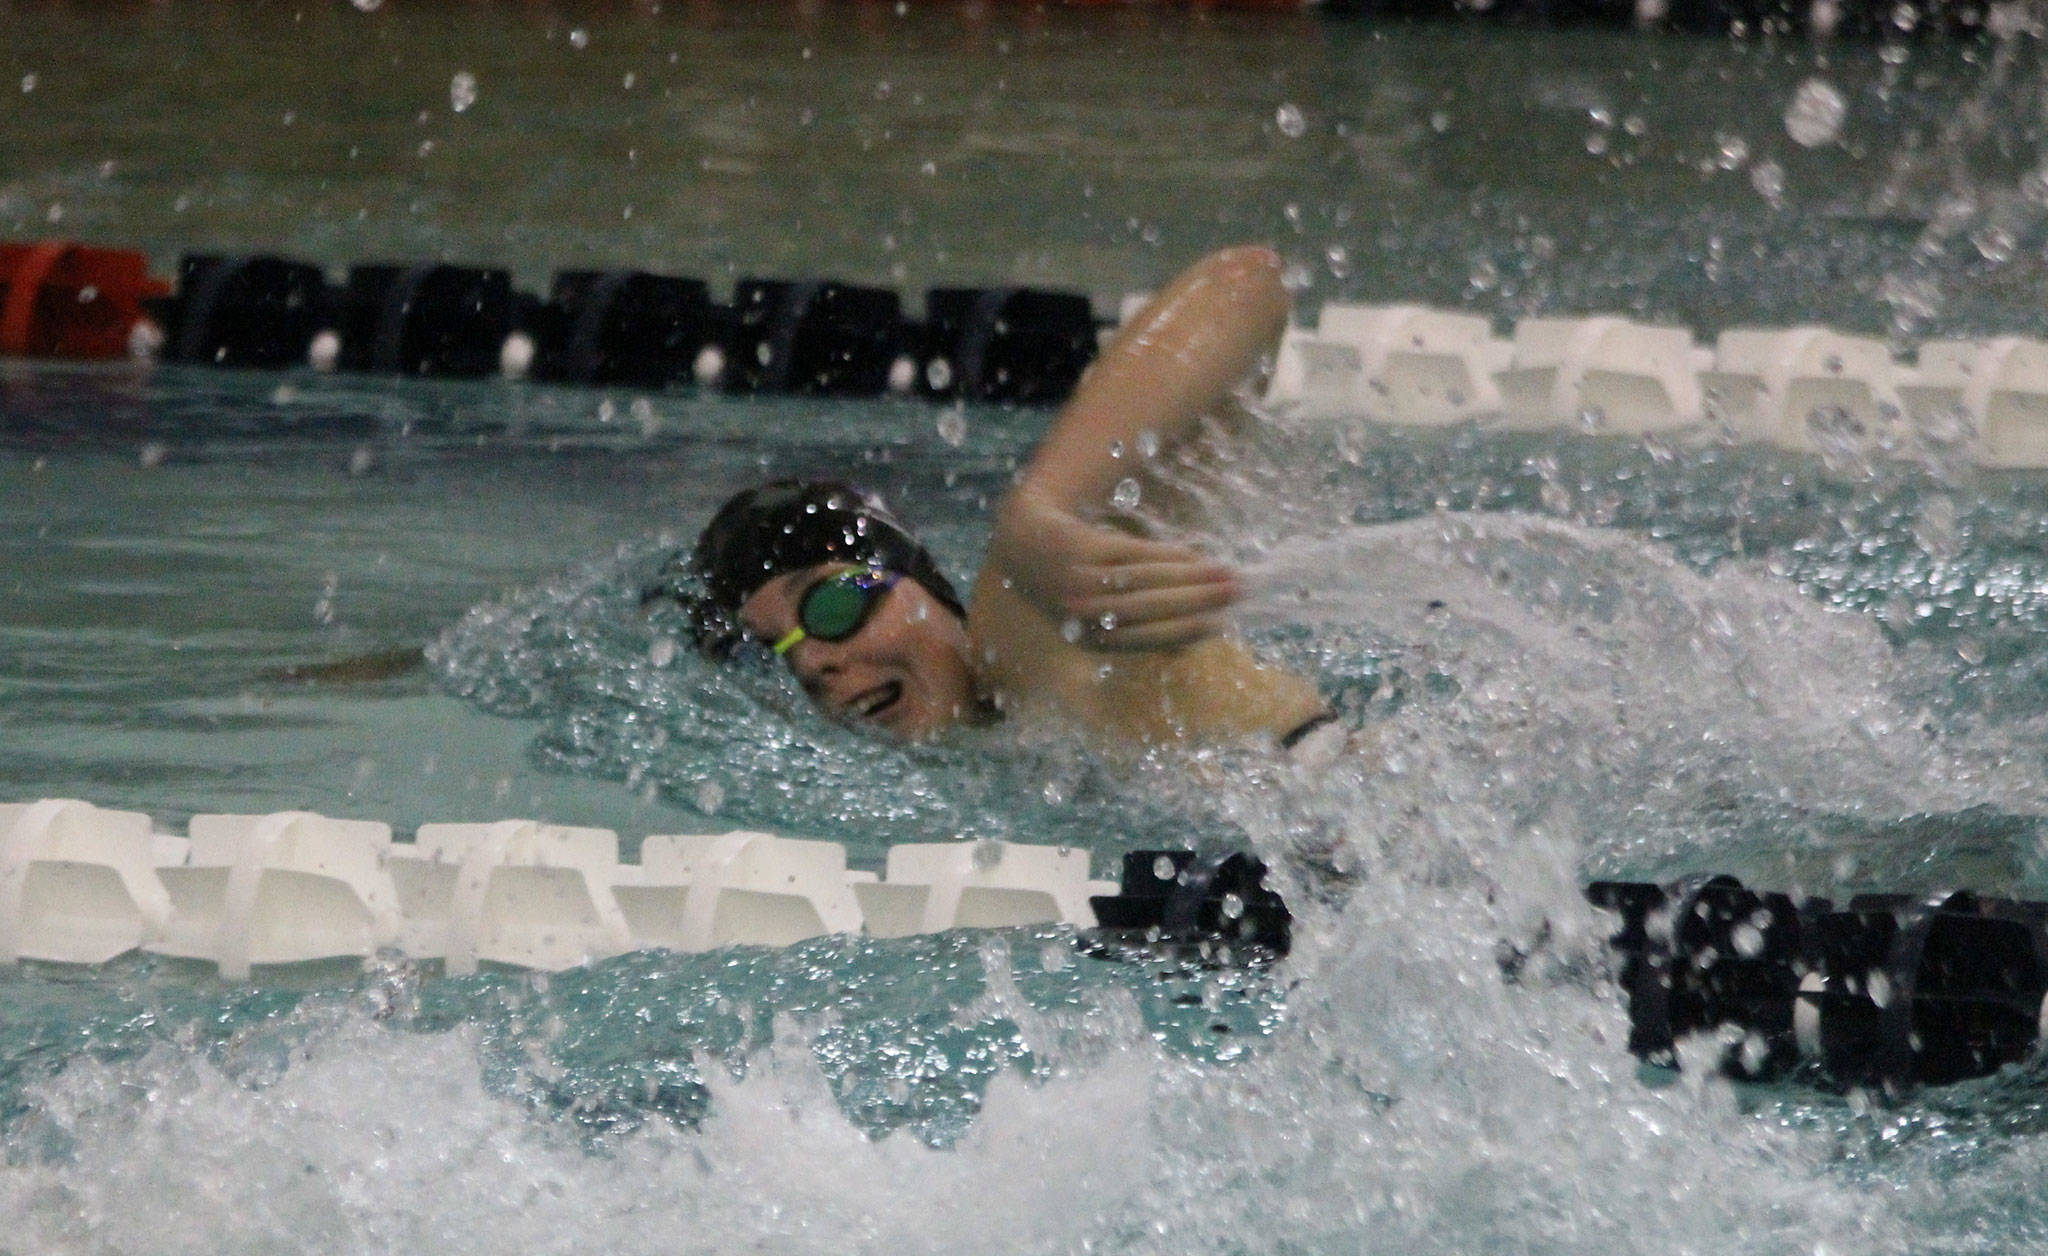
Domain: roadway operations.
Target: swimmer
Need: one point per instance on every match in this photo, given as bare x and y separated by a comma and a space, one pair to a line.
1076, 614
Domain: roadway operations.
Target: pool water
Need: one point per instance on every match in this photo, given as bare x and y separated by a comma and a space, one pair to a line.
1575, 657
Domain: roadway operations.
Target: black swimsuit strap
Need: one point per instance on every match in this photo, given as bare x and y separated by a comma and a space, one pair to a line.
1294, 736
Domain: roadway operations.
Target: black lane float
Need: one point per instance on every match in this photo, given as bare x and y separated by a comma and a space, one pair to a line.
805, 337
1889, 991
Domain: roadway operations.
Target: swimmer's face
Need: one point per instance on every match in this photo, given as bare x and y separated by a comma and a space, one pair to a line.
904, 671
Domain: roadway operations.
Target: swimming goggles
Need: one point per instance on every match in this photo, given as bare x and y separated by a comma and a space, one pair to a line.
837, 606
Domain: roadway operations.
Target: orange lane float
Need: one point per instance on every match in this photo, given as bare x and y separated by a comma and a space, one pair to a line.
59, 299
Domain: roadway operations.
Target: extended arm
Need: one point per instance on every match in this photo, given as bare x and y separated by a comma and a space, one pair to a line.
1167, 369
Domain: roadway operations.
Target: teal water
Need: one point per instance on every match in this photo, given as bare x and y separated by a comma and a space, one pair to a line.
1577, 656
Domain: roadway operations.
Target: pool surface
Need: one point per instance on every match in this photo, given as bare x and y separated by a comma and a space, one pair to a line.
1577, 656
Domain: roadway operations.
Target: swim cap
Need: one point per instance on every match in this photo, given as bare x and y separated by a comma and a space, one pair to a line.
787, 526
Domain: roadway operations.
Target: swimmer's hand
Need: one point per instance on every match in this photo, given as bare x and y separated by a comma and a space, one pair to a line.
1122, 592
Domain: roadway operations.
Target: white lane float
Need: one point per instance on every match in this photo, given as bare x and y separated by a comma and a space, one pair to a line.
80, 884
1808, 389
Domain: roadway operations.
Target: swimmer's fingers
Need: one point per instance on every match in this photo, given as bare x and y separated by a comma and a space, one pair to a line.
1074, 569
1097, 579
1160, 593
1094, 545
1160, 634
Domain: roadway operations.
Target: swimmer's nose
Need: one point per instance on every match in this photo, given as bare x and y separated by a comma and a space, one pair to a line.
814, 665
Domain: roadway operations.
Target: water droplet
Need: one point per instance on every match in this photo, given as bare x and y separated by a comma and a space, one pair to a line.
1730, 151
1233, 907
1596, 143
953, 427
1339, 258
28, 83
662, 652
462, 91
643, 413
1768, 178
1148, 444
1635, 125
1440, 122
710, 797
1994, 244
1126, 495
1055, 793
1289, 119
579, 39
1108, 621
1070, 631
1749, 941
939, 374
360, 462
1816, 114
1162, 869
153, 454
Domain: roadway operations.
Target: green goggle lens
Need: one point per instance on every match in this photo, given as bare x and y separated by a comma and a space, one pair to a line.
834, 608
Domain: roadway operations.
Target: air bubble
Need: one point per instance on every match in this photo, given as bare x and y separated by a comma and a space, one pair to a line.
579, 39
462, 91
1291, 122
1126, 495
1162, 868
953, 428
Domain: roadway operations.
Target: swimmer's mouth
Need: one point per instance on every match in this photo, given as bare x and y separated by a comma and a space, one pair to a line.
871, 704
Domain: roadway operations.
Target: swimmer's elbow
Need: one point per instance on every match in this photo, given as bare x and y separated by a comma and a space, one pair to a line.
1250, 273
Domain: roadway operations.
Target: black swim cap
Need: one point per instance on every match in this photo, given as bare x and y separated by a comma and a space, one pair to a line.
787, 526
